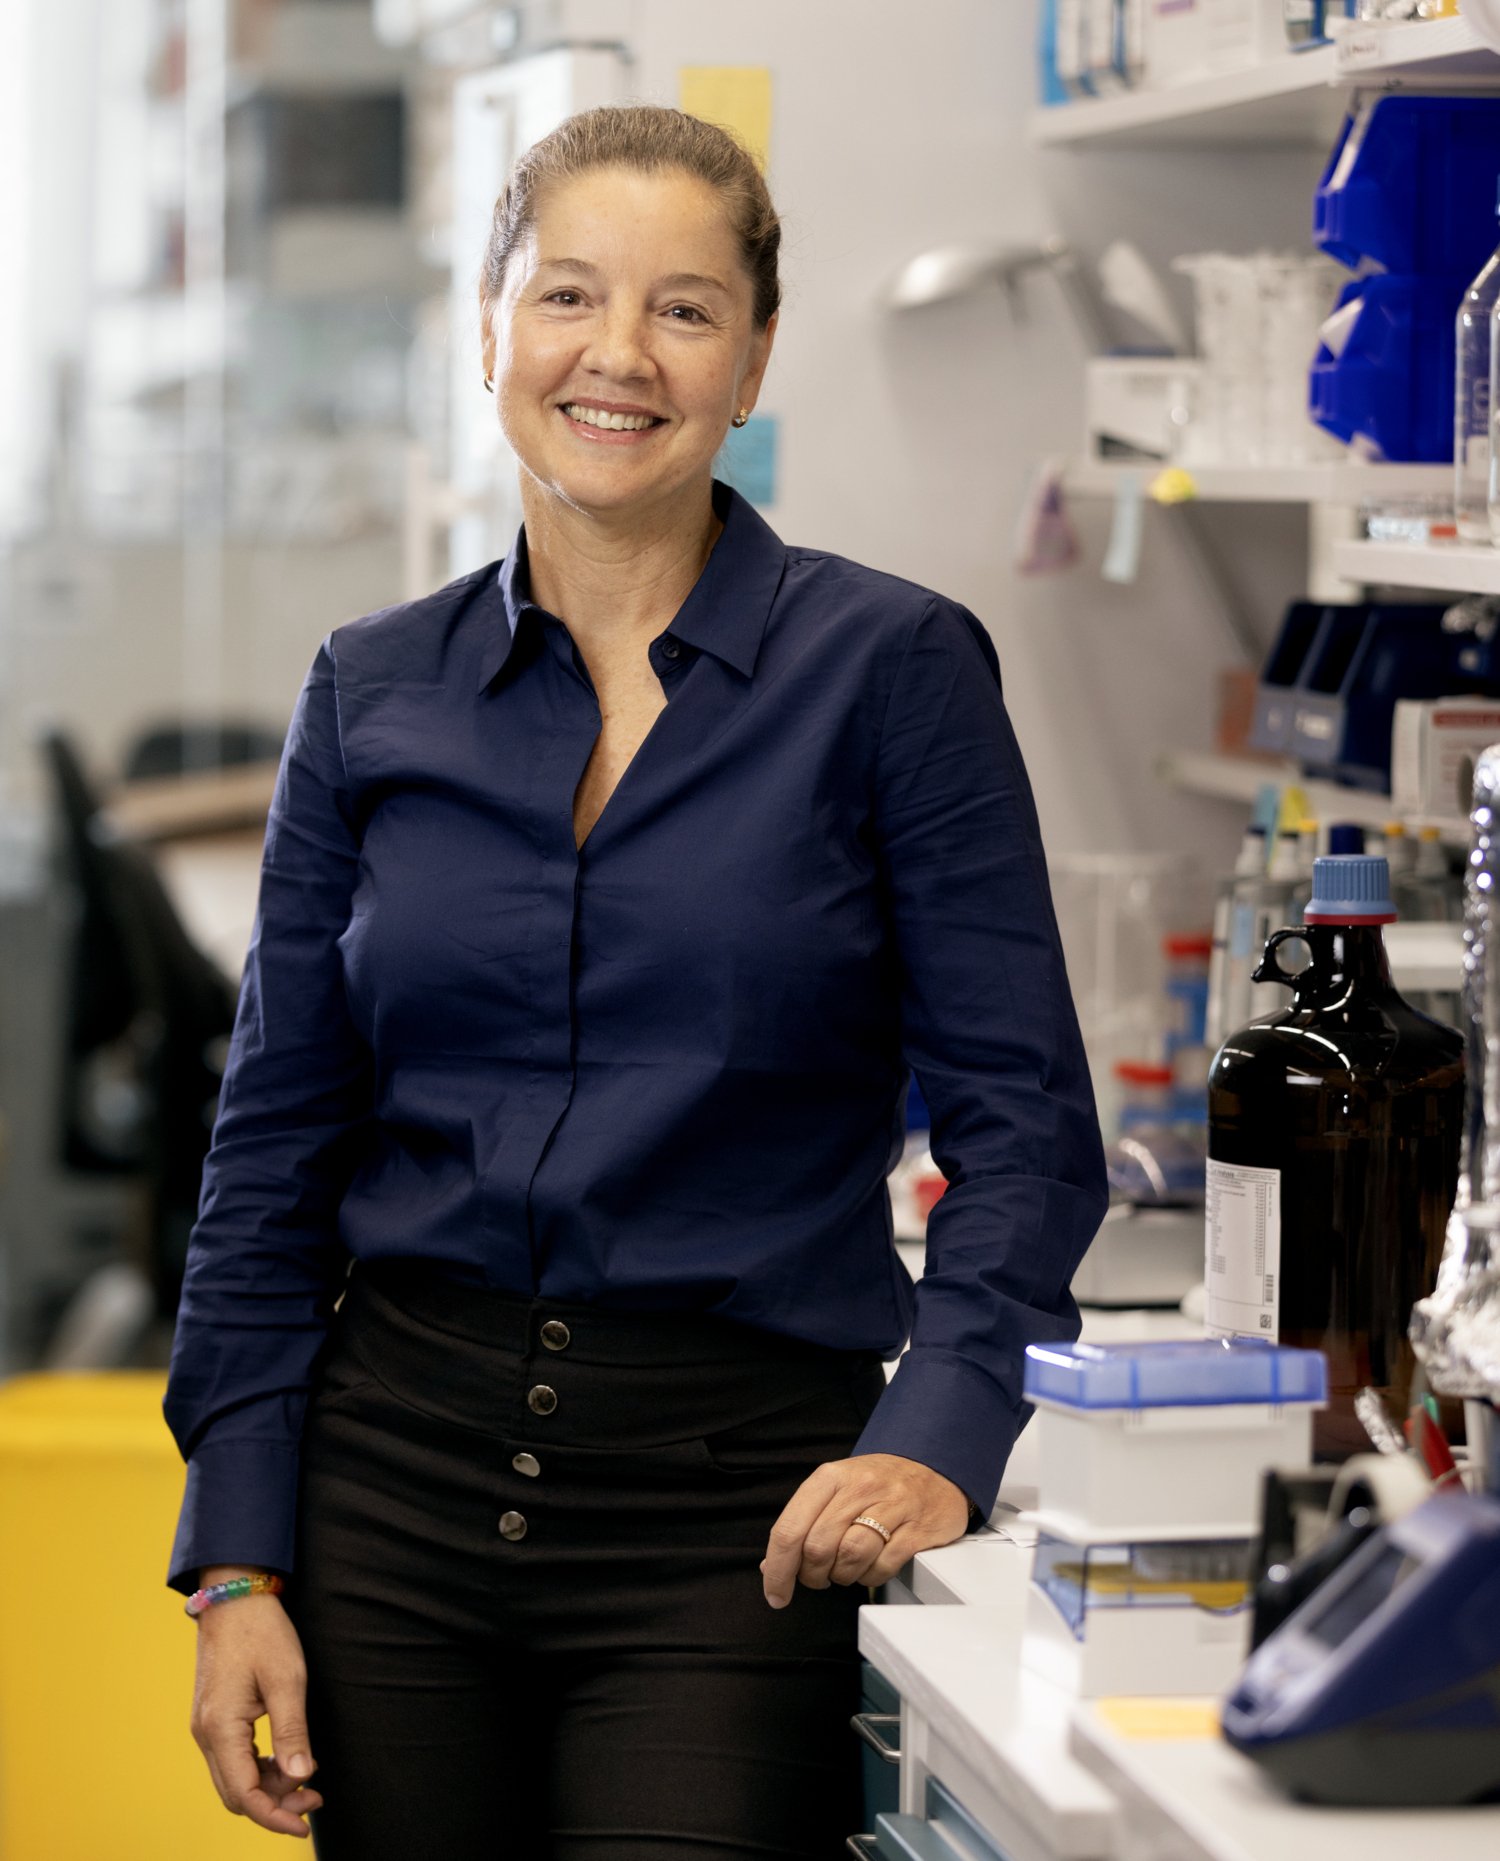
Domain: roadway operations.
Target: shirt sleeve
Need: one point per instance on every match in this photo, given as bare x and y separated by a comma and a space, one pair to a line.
989, 1029
264, 1264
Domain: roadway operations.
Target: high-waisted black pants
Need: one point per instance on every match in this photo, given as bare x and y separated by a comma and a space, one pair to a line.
528, 1591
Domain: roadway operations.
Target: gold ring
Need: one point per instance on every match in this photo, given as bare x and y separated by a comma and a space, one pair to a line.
874, 1525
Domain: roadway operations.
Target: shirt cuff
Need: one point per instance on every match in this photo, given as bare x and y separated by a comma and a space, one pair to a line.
949, 1415
240, 1507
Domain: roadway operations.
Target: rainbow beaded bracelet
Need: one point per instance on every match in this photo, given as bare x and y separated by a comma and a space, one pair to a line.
264, 1583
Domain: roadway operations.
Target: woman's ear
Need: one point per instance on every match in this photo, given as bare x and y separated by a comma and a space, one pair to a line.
487, 337
760, 359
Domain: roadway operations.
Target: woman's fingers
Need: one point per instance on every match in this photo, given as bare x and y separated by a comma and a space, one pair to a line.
859, 1554
286, 1704
248, 1664
786, 1549
815, 1542
229, 1746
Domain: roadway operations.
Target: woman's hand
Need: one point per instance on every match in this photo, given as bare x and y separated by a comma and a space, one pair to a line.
816, 1542
249, 1663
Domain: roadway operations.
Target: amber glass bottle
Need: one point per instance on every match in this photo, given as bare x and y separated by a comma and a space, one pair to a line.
1333, 1138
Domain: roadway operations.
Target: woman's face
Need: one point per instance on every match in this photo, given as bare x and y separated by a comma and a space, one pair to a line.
628, 297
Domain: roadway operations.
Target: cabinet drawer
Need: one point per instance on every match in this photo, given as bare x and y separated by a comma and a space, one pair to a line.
946, 1833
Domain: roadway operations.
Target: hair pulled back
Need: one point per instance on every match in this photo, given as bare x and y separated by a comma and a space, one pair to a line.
648, 138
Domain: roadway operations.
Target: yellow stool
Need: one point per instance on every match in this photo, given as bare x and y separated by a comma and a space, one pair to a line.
96, 1656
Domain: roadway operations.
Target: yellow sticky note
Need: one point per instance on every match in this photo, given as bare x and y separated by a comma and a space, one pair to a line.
1161, 1718
736, 97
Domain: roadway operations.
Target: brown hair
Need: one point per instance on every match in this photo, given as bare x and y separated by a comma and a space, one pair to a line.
648, 138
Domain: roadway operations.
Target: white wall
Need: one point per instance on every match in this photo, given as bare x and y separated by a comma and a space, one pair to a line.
909, 442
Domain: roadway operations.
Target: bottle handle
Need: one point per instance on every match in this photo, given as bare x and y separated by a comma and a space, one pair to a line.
1269, 970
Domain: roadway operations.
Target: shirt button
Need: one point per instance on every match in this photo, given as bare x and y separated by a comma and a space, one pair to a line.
541, 1399
556, 1335
512, 1525
670, 649
527, 1464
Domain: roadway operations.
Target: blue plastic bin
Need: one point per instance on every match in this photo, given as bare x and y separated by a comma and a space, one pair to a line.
1411, 185
1392, 385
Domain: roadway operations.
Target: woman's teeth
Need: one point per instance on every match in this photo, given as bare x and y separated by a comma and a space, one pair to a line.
617, 423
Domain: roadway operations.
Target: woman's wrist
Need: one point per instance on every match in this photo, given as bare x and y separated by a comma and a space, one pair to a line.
232, 1589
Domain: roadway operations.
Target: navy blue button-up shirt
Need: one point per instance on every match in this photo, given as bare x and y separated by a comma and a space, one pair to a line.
665, 1071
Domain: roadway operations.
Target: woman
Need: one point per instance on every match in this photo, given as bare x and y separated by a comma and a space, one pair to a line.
607, 900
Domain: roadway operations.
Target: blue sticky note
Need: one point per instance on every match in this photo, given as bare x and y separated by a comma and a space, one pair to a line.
747, 459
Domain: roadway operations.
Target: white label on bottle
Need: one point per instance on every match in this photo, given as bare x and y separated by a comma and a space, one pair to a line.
1243, 1251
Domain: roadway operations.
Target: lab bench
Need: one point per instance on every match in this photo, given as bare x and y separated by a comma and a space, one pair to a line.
998, 1764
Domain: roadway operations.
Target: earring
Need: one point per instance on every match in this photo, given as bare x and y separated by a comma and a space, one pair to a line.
489, 384
741, 417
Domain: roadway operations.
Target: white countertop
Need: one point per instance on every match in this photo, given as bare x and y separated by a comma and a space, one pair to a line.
1197, 1799
1080, 1787
1002, 1732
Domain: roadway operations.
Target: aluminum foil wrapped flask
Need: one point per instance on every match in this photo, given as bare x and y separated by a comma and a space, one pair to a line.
1456, 1330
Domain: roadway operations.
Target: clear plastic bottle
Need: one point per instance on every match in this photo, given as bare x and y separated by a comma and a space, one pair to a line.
1399, 848
1249, 864
1494, 407
1473, 480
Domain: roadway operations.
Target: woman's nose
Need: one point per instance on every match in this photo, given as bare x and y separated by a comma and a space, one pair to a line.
618, 347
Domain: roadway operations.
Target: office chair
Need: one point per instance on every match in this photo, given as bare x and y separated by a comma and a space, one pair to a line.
148, 1023
178, 748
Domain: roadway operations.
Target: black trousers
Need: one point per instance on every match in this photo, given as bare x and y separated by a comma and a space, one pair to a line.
528, 1591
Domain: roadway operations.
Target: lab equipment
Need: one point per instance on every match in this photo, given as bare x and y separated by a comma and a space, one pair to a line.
1150, 1458
1138, 1618
1157, 1159
1113, 910
1228, 925
1435, 743
1471, 401
1143, 1254
1258, 315
1166, 1440
1383, 1688
1455, 1329
1139, 406
1333, 1154
1336, 674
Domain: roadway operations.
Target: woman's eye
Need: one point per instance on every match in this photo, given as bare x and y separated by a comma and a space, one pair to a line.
554, 297
685, 313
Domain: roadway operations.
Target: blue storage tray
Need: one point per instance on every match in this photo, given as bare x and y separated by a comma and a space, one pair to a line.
1188, 1373
1392, 385
1411, 184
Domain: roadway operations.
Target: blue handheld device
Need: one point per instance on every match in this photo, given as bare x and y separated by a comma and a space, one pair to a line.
1383, 1688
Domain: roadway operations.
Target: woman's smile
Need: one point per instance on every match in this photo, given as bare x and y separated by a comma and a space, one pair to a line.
599, 424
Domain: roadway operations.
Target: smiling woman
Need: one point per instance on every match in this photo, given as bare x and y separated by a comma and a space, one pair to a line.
612, 895
629, 306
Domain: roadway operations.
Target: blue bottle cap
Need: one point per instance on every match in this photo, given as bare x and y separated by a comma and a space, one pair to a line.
1346, 837
1351, 888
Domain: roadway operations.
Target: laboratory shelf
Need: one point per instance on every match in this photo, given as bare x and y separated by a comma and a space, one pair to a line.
1425, 53
1218, 777
1300, 97
1333, 481
1458, 568
1287, 100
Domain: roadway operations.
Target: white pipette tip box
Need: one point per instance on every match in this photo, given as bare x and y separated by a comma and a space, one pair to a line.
1166, 1441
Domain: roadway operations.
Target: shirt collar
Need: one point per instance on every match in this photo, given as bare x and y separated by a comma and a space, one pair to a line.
725, 612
